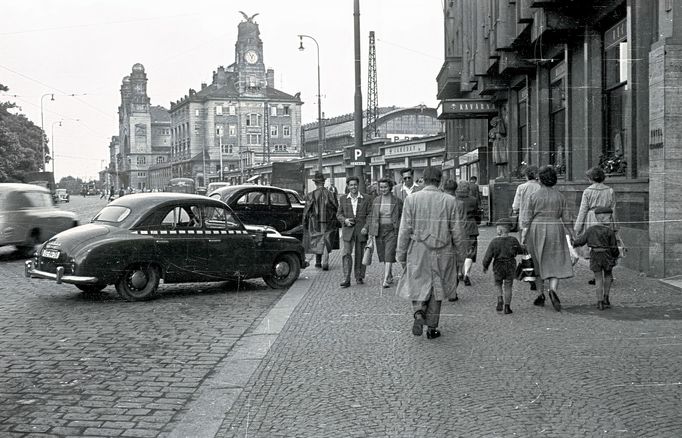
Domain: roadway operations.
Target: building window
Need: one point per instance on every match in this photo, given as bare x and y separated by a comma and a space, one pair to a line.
616, 61
232, 130
286, 131
141, 160
196, 113
557, 118
228, 148
285, 110
274, 131
219, 110
280, 148
252, 81
253, 138
273, 110
253, 119
232, 110
159, 160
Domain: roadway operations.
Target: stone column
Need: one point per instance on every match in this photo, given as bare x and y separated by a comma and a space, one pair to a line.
665, 152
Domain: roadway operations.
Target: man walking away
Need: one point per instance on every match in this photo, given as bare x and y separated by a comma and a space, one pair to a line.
427, 244
352, 213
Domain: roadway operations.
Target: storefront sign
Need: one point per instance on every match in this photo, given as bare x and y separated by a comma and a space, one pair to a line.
396, 165
379, 159
407, 149
469, 157
449, 164
436, 161
420, 162
466, 109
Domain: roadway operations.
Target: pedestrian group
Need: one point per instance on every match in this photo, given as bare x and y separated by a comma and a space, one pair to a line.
431, 230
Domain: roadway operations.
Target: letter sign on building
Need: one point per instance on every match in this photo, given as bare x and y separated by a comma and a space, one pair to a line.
358, 158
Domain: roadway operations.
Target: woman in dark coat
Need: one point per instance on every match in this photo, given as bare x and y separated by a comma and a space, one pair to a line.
383, 224
545, 223
467, 208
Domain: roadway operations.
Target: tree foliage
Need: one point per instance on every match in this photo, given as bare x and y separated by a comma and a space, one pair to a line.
21, 147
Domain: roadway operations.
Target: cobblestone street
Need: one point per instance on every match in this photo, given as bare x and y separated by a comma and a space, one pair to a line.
344, 362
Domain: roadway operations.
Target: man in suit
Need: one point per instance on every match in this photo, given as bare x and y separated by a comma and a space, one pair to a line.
352, 213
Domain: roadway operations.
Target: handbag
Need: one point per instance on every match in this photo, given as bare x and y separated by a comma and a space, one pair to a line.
478, 216
622, 249
369, 252
525, 270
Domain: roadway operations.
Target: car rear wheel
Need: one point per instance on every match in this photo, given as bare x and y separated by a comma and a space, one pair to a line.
29, 248
91, 288
285, 270
138, 282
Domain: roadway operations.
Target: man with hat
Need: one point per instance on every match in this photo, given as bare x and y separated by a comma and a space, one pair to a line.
320, 226
603, 244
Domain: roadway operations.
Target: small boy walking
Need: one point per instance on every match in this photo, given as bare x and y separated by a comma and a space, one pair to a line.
601, 239
502, 252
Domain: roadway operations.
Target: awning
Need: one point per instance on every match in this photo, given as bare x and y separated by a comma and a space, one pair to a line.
253, 178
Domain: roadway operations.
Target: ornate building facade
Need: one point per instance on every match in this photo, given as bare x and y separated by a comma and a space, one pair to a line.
237, 121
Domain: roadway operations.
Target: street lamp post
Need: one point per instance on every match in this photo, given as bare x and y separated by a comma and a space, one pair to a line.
52, 143
320, 139
42, 128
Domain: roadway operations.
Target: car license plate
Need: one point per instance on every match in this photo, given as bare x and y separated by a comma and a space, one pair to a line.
50, 253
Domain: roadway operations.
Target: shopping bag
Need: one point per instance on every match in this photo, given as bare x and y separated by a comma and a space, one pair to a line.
574, 254
514, 218
525, 270
369, 252
622, 249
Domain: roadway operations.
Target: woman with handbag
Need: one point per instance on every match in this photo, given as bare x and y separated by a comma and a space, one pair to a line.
545, 224
467, 209
596, 195
383, 225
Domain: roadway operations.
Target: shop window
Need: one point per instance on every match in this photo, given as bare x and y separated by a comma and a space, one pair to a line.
616, 61
557, 119
522, 128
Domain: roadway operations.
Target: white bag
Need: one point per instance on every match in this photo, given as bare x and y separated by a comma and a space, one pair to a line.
572, 251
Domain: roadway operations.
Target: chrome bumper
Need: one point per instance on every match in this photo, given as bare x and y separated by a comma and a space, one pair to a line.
30, 272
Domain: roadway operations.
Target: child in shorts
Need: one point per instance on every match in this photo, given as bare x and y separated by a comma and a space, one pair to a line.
604, 252
502, 252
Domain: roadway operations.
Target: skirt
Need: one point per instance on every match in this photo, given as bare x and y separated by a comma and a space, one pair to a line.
387, 241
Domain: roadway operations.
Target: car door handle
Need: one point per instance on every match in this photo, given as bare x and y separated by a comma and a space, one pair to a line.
214, 240
161, 241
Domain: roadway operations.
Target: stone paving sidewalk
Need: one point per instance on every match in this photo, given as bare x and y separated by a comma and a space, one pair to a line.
346, 364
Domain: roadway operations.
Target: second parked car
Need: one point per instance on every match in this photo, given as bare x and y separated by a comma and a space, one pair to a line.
264, 205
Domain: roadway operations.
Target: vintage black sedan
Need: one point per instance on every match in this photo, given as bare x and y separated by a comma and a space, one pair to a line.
264, 205
138, 240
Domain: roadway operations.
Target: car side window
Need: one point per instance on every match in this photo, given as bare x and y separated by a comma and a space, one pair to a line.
183, 217
37, 199
252, 198
218, 218
278, 199
292, 198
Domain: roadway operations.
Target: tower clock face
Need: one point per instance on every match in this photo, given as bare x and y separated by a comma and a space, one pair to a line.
251, 57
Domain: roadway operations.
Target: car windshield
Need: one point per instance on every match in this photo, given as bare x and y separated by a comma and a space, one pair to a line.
112, 214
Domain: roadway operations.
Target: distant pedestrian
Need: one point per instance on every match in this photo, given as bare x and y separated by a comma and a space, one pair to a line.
603, 244
521, 197
121, 192
546, 223
427, 241
502, 252
596, 195
384, 224
352, 213
407, 186
319, 222
332, 189
475, 191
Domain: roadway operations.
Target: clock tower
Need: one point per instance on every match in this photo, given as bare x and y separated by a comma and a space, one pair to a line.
248, 53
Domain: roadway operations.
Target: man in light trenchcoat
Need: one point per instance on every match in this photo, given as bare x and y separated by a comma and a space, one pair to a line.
429, 237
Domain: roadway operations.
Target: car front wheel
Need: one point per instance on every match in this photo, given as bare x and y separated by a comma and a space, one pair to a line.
284, 271
138, 282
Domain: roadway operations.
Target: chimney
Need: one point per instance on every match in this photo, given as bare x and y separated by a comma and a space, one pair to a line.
270, 78
203, 85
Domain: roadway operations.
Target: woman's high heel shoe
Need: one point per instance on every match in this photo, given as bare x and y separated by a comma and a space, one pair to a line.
555, 300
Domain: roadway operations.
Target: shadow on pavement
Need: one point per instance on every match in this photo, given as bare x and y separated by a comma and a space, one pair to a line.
622, 313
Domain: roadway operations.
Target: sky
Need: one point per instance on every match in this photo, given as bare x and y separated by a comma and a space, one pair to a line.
80, 50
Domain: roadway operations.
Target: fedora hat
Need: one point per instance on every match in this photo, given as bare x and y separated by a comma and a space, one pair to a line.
318, 177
